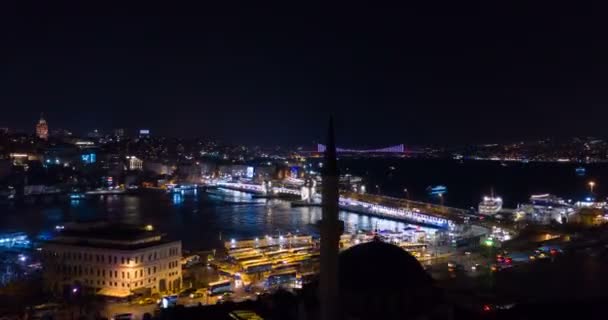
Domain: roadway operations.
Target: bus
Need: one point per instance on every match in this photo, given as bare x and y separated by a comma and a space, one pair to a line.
272, 254
301, 249
281, 278
248, 258
219, 287
243, 254
244, 264
284, 266
258, 267
225, 272
239, 251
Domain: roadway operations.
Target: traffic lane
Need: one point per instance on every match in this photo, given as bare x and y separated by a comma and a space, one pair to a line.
111, 309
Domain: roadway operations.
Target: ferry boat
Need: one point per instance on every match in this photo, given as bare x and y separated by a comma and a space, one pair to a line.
77, 196
176, 188
490, 206
545, 208
548, 200
437, 190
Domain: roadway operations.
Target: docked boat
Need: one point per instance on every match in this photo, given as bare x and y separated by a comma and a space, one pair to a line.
490, 206
548, 200
545, 208
173, 188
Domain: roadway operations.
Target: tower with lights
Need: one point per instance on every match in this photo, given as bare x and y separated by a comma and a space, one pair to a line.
42, 129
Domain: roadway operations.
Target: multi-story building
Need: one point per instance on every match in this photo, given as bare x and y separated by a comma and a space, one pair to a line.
111, 260
119, 133
135, 163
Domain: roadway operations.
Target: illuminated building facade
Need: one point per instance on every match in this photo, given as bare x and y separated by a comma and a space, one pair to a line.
135, 163
111, 260
42, 129
144, 133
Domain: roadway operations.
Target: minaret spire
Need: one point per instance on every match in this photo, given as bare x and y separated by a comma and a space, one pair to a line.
331, 229
331, 162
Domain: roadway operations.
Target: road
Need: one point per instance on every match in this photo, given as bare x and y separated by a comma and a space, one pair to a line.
110, 309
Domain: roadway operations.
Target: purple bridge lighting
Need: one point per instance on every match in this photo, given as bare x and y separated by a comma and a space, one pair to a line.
400, 148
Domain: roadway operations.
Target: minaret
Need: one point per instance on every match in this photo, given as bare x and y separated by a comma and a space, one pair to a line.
331, 229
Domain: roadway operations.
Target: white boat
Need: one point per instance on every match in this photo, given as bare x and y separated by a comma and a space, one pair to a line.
545, 208
490, 206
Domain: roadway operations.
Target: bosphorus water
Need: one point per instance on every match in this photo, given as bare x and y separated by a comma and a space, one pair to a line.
200, 219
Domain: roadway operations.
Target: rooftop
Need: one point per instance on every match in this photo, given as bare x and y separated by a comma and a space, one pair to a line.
108, 235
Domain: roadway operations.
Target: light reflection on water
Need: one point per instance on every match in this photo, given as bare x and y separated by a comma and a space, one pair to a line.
196, 219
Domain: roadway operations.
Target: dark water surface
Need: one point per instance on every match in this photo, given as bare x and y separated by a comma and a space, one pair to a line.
468, 181
198, 219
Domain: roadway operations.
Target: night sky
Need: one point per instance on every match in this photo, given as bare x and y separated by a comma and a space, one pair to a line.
428, 72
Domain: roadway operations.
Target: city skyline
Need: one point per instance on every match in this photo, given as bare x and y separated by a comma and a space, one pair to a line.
463, 73
42, 130
420, 160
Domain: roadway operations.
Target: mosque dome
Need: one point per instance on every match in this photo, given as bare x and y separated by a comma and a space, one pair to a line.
379, 280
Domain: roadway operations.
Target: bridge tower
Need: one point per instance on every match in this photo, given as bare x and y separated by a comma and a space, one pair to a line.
309, 190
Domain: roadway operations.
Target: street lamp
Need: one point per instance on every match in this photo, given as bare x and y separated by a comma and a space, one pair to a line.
591, 185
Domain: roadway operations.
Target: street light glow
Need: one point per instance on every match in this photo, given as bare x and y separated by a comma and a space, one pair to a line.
591, 185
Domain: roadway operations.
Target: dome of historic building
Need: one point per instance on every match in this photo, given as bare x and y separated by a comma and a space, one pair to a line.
379, 280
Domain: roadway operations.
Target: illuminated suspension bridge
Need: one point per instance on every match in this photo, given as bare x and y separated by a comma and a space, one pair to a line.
400, 148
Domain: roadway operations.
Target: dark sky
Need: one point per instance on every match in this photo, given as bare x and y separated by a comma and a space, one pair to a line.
427, 72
